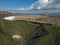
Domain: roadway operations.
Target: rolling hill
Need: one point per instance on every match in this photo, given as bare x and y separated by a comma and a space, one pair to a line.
32, 34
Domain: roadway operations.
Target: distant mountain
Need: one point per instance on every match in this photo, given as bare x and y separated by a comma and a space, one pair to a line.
45, 11
5, 13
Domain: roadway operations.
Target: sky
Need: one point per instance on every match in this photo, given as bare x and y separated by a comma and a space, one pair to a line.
14, 4
27, 5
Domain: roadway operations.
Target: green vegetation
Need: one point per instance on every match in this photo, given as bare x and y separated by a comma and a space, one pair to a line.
28, 30
11, 28
53, 38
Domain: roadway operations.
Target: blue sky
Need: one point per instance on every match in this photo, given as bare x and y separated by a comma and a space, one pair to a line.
28, 5
6, 4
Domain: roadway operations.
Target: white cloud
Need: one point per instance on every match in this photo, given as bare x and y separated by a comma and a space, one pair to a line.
40, 4
21, 9
31, 7
43, 4
37, 5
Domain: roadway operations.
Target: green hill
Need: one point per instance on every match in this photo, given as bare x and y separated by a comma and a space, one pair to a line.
33, 34
5, 13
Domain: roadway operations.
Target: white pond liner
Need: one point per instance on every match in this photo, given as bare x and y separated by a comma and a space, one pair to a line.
9, 18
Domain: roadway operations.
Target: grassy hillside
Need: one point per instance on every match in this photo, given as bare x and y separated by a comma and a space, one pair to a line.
11, 28
32, 34
53, 38
48, 34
